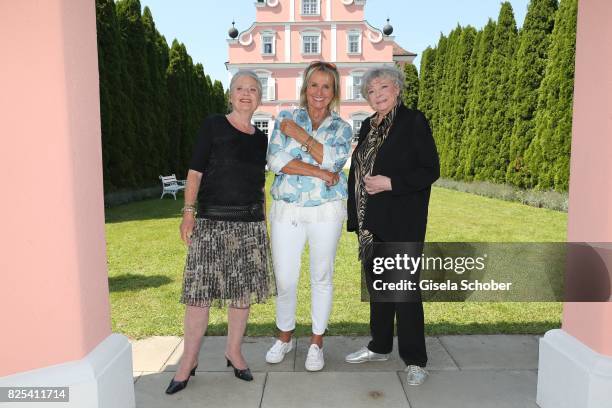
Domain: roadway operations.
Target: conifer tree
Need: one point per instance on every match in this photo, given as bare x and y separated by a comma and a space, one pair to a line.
117, 124
496, 129
177, 112
427, 82
157, 62
152, 100
464, 138
137, 87
438, 96
530, 66
410, 94
444, 96
457, 102
474, 127
547, 157
219, 94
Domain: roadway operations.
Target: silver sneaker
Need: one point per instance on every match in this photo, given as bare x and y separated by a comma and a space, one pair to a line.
416, 375
364, 354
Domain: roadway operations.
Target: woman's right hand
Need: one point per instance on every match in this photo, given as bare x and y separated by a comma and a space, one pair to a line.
330, 179
187, 226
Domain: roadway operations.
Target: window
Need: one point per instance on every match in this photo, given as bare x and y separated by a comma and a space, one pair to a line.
354, 42
264, 87
357, 119
268, 85
310, 7
353, 86
298, 88
311, 43
267, 43
262, 124
357, 86
356, 128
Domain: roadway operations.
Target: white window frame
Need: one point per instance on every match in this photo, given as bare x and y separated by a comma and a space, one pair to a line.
265, 118
268, 91
272, 35
317, 4
310, 33
348, 42
350, 86
358, 116
298, 87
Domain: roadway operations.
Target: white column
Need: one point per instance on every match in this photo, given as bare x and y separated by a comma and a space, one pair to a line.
292, 10
288, 41
328, 7
333, 43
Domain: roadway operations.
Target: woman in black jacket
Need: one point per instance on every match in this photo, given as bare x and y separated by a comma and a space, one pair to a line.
392, 170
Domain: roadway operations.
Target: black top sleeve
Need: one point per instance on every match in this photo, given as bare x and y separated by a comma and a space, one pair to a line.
428, 168
203, 146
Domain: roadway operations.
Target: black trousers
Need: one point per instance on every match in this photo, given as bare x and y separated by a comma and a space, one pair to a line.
410, 327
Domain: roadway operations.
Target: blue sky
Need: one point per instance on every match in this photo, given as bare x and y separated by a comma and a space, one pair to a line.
202, 24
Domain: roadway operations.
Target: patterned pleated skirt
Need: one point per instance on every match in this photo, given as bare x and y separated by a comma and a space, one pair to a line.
228, 263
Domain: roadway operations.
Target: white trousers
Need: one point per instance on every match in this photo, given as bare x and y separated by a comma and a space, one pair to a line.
288, 239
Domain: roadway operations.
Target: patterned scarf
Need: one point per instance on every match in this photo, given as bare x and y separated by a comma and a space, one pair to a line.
364, 165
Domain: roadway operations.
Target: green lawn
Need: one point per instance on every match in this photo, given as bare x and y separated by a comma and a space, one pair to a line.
146, 257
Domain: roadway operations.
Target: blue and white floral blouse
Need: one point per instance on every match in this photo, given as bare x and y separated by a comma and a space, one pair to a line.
305, 191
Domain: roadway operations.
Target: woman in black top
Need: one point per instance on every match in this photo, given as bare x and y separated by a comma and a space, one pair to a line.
392, 170
228, 261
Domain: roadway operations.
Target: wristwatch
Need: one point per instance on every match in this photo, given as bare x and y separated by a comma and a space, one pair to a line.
306, 146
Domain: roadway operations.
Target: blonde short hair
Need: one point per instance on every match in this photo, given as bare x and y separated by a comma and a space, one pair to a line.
328, 68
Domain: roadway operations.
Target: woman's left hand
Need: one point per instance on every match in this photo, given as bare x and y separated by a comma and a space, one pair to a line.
377, 184
293, 130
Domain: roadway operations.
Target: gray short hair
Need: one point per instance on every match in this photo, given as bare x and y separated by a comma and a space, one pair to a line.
391, 73
247, 73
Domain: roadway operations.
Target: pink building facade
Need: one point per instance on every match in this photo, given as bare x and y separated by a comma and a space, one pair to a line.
290, 34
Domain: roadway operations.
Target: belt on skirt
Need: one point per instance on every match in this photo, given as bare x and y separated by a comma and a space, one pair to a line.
249, 213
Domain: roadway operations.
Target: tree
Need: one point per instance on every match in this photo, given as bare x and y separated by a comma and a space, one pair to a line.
438, 95
458, 88
427, 83
410, 94
473, 126
496, 128
530, 66
547, 157
444, 99
152, 101
116, 123
156, 52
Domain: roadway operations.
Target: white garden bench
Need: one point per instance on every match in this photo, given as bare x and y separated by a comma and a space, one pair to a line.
171, 185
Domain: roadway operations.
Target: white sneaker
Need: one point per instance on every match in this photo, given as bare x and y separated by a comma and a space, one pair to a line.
314, 359
277, 352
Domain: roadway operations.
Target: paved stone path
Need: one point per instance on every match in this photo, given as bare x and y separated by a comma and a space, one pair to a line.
493, 371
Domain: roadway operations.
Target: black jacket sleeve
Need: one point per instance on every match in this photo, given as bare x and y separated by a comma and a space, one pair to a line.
410, 178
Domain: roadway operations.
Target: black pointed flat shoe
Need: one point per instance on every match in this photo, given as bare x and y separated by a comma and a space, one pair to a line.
176, 386
242, 374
